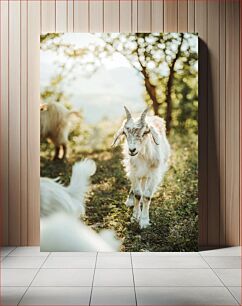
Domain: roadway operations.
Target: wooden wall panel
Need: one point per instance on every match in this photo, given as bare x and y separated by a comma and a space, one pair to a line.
70, 15
48, 16
81, 16
170, 15
222, 127
191, 16
157, 16
111, 16
96, 16
4, 122
213, 123
14, 122
240, 127
182, 15
201, 28
134, 16
144, 16
217, 24
232, 121
33, 48
126, 16
24, 123
61, 16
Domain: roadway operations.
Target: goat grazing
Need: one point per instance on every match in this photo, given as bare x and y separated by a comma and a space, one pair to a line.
146, 155
55, 124
60, 210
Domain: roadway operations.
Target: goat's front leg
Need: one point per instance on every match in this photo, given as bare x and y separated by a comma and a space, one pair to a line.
149, 190
130, 199
137, 194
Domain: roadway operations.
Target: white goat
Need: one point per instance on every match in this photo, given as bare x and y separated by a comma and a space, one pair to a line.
61, 207
56, 124
146, 155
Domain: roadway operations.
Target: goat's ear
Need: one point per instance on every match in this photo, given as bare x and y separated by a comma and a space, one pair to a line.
154, 135
116, 139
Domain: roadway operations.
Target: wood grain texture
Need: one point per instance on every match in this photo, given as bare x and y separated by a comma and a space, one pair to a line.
70, 15
170, 15
48, 16
191, 16
24, 123
232, 122
182, 15
213, 123
201, 29
33, 212
126, 16
222, 127
134, 16
61, 16
14, 122
157, 16
144, 15
219, 107
81, 16
4, 114
96, 16
240, 168
111, 16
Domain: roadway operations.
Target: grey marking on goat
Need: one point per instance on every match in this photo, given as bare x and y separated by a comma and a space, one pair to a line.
137, 196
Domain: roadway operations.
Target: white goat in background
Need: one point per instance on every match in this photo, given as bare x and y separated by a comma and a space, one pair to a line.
55, 197
146, 155
56, 124
60, 210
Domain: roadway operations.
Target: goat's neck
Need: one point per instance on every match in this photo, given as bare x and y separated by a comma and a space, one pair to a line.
148, 150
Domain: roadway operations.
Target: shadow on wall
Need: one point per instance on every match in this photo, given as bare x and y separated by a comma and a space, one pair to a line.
209, 172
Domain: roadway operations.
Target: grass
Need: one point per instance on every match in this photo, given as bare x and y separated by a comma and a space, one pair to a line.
174, 208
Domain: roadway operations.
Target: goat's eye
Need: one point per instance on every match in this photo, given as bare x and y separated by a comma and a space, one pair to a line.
145, 133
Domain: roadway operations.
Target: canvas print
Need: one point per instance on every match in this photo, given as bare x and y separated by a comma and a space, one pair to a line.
119, 142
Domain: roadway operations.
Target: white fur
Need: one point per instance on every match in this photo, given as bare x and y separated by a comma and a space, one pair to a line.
55, 197
56, 124
148, 166
61, 226
63, 232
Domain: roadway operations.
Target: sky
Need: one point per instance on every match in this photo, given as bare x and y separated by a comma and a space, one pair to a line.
103, 95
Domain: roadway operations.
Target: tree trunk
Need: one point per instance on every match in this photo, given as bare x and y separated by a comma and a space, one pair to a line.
169, 88
151, 90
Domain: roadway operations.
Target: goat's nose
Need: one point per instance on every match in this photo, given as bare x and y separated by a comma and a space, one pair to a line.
132, 150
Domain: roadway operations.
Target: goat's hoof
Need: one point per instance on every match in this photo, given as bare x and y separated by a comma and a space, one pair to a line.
144, 223
129, 202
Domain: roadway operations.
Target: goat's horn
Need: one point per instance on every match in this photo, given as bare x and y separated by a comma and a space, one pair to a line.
127, 113
143, 115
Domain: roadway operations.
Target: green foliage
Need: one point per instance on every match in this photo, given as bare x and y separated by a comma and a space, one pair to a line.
149, 52
44, 38
154, 54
